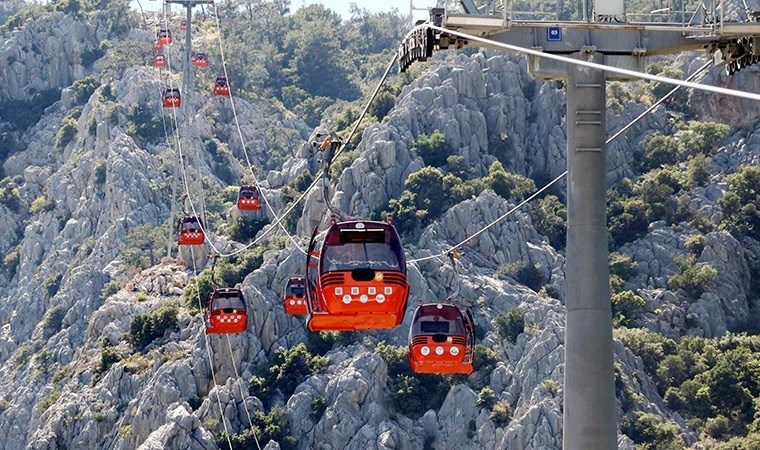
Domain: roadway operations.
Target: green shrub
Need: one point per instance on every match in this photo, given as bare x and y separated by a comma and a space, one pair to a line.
23, 114
432, 148
484, 359
8, 146
741, 216
695, 243
625, 304
109, 289
501, 413
698, 172
10, 262
525, 273
66, 133
197, 291
52, 284
107, 94
486, 398
108, 357
10, 196
53, 320
650, 432
244, 229
508, 185
142, 123
145, 328
318, 407
143, 246
693, 278
90, 56
273, 426
622, 265
382, 104
40, 204
650, 347
322, 342
100, 172
409, 393
659, 151
289, 368
549, 217
49, 400
84, 88
137, 364
717, 427
626, 219
510, 326
701, 137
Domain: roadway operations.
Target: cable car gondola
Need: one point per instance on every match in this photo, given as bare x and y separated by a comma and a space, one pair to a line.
441, 339
156, 46
294, 296
183, 25
190, 231
361, 278
159, 60
171, 97
222, 87
199, 59
248, 199
226, 312
164, 37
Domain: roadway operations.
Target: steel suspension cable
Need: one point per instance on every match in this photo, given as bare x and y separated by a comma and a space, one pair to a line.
242, 395
242, 139
210, 359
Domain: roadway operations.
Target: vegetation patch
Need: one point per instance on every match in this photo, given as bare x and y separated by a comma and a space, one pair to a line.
146, 328
409, 393
511, 325
53, 320
288, 369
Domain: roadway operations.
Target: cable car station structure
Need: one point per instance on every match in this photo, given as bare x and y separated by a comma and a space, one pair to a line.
604, 36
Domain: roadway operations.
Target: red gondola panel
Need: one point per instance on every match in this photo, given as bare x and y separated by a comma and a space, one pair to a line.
295, 296
222, 87
226, 312
190, 231
441, 340
248, 199
361, 282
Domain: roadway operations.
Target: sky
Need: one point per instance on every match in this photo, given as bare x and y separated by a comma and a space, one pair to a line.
342, 7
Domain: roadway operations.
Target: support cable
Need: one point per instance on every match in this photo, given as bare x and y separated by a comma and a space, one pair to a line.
210, 359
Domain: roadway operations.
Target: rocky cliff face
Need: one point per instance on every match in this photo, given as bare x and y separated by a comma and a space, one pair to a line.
59, 324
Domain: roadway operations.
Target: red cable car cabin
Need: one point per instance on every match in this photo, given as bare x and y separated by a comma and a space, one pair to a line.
159, 60
157, 46
200, 59
164, 37
222, 87
441, 339
225, 312
183, 25
248, 199
361, 281
295, 296
172, 99
190, 230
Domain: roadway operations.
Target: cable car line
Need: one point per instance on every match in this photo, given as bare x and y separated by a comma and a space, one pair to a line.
210, 359
242, 139
180, 162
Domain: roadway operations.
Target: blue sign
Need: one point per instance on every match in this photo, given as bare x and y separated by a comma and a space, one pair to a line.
554, 34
